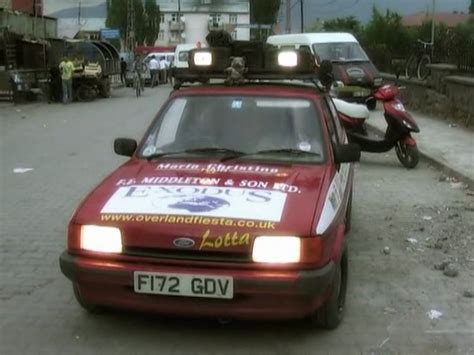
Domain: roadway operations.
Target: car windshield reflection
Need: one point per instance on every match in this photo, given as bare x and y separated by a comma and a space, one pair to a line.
239, 127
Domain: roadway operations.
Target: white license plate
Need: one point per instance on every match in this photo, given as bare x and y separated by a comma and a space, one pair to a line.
183, 284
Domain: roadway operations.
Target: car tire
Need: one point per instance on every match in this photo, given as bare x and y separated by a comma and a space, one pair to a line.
349, 214
330, 315
89, 307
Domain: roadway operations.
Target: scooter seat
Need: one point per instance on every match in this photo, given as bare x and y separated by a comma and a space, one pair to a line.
357, 111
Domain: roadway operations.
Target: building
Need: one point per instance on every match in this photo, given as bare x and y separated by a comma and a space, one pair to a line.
450, 19
32, 7
196, 18
200, 16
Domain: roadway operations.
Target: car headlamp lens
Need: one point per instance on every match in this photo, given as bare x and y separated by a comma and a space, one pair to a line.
288, 59
276, 249
101, 239
378, 81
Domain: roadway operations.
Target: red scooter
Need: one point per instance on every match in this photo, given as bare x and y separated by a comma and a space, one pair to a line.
400, 124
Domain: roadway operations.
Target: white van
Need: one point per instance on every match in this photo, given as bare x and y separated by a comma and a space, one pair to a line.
351, 65
181, 55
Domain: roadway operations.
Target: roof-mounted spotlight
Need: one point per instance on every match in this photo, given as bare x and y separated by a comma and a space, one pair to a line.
288, 59
202, 58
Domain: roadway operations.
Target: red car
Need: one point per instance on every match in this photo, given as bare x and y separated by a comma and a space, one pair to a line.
235, 204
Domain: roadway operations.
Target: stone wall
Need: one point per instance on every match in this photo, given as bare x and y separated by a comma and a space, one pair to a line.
448, 97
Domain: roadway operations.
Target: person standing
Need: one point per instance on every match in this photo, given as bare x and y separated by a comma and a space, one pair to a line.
123, 70
154, 70
66, 68
163, 70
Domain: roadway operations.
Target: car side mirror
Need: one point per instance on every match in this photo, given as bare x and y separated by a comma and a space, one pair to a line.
125, 146
346, 153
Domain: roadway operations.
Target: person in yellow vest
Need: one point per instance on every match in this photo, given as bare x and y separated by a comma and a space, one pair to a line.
66, 67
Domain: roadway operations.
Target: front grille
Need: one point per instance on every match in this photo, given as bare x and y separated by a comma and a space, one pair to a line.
195, 255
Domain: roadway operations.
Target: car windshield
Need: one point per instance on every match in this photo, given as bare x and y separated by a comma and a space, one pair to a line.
287, 129
183, 56
340, 51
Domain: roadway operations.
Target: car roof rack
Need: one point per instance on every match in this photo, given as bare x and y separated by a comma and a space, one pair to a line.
247, 62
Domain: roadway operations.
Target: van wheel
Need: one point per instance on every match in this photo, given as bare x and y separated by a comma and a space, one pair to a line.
90, 308
330, 315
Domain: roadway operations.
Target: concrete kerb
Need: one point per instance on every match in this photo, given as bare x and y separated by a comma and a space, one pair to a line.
445, 169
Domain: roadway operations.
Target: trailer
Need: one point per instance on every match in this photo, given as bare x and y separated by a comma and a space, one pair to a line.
94, 64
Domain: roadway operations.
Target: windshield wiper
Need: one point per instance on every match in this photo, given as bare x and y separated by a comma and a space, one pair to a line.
287, 151
214, 150
230, 153
162, 154
350, 60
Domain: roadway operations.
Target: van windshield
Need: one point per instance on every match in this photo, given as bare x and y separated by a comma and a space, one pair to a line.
340, 51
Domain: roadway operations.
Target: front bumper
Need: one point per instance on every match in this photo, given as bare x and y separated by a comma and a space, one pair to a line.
355, 94
258, 294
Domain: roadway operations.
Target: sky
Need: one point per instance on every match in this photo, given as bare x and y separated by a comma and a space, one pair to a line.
362, 9
315, 9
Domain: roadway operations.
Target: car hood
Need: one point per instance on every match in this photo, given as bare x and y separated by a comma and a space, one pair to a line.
204, 205
355, 73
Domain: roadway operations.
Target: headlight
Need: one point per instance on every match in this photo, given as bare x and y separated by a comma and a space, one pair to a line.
378, 81
101, 239
407, 125
278, 249
399, 106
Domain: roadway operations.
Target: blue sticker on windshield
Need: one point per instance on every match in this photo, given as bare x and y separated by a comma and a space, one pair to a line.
237, 104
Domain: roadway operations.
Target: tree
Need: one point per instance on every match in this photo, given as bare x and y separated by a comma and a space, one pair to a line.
344, 24
117, 16
140, 26
153, 19
471, 7
389, 32
146, 19
385, 38
264, 11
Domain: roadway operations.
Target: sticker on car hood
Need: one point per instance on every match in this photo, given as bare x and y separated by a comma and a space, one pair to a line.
214, 201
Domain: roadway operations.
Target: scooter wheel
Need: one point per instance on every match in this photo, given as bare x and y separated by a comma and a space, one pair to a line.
407, 154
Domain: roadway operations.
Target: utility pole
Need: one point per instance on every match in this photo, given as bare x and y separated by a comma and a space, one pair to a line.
433, 28
302, 16
179, 22
79, 14
130, 36
288, 16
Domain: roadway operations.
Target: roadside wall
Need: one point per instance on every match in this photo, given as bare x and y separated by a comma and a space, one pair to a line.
444, 96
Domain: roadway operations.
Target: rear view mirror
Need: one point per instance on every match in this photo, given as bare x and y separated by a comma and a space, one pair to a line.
125, 146
346, 153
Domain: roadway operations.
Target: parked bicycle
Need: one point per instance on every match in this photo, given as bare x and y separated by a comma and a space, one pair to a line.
417, 63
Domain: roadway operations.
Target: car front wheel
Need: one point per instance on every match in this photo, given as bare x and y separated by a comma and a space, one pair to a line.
330, 315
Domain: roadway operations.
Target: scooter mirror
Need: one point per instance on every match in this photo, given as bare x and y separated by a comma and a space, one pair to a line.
346, 153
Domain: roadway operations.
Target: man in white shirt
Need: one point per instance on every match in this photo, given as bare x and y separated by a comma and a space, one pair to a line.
163, 70
154, 66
